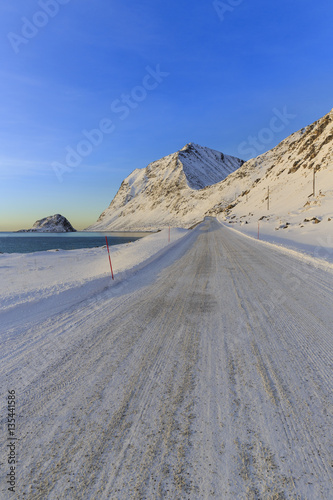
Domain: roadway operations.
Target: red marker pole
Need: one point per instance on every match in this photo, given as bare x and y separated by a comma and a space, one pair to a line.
107, 245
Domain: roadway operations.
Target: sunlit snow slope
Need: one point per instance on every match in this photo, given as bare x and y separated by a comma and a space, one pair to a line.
166, 191
182, 188
289, 189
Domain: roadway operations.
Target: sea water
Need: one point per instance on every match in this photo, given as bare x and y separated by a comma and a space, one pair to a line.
37, 242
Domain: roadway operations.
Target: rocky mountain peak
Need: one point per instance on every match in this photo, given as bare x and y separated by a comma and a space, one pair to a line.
52, 224
182, 188
166, 183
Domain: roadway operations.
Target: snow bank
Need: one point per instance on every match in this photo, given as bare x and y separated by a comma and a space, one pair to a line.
313, 243
72, 275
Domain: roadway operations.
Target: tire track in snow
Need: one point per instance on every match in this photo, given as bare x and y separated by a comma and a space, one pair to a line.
201, 383
291, 426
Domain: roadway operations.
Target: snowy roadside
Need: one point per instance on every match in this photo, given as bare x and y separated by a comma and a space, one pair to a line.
208, 375
74, 274
313, 245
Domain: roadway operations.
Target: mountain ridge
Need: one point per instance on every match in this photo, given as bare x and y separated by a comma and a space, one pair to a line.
155, 197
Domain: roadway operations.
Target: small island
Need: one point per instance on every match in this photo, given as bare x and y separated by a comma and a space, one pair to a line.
52, 224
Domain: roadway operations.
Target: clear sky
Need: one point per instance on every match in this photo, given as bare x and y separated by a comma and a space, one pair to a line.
92, 89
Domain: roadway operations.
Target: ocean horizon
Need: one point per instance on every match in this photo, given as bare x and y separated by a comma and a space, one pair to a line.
16, 242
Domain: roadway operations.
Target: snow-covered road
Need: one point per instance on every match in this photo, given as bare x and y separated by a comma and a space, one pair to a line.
207, 374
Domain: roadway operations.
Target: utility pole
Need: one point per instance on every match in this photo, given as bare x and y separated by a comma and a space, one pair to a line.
314, 181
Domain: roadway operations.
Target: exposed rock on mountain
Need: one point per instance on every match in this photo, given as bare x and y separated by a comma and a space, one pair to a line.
165, 192
52, 224
290, 180
182, 188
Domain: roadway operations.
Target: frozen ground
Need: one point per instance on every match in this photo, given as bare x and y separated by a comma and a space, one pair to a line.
207, 373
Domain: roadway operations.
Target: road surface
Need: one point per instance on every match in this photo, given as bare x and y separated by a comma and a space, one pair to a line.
206, 375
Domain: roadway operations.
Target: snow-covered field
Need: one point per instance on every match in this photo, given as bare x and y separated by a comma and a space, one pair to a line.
72, 275
204, 371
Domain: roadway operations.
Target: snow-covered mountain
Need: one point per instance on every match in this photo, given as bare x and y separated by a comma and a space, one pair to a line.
289, 188
182, 188
165, 192
53, 224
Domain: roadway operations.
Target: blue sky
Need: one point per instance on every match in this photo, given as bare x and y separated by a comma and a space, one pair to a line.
151, 76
